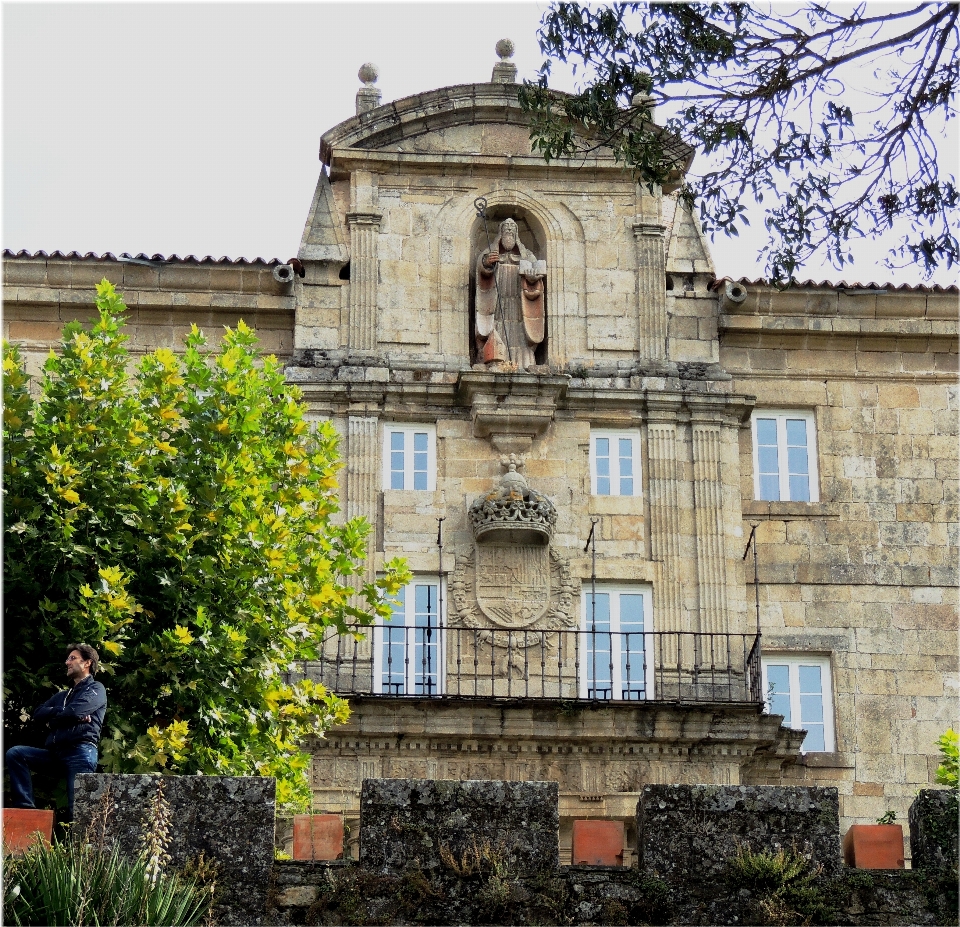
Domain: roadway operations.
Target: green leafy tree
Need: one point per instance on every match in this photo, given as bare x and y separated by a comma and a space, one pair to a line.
180, 519
829, 116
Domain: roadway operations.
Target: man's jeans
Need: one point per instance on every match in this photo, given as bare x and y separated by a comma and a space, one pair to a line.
20, 760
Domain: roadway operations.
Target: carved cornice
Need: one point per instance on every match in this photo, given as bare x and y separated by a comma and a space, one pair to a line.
648, 230
364, 218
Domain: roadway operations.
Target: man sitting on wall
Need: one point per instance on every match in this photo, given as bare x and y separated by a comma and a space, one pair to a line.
74, 717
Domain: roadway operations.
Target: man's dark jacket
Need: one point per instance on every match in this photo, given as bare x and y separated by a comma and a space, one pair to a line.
62, 713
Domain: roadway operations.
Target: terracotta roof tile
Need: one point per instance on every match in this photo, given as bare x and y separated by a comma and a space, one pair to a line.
844, 285
158, 258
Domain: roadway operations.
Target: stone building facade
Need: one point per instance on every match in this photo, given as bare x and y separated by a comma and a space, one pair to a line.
572, 443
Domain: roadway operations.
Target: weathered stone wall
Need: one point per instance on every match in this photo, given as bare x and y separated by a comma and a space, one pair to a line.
41, 294
343, 893
692, 831
437, 824
229, 820
867, 575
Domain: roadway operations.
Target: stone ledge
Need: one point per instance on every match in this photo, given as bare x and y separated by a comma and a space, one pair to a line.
775, 510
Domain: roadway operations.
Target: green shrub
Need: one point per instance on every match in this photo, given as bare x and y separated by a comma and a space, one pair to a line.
950, 753
784, 885
77, 884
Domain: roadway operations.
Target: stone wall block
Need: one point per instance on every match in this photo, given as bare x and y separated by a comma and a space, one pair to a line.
687, 831
933, 829
228, 819
418, 822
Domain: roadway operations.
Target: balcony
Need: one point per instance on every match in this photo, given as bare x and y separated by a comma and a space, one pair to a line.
398, 661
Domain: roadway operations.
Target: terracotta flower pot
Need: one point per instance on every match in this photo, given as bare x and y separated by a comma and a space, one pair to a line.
597, 843
874, 846
24, 826
317, 836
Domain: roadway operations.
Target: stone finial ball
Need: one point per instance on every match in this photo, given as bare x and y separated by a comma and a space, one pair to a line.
368, 73
505, 48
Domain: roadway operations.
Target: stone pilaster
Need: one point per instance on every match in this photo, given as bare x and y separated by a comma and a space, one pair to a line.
664, 497
364, 231
362, 483
651, 291
708, 509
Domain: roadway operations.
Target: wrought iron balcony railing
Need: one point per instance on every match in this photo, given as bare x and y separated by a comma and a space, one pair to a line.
436, 661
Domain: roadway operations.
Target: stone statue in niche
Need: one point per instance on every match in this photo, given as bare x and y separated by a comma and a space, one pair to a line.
510, 305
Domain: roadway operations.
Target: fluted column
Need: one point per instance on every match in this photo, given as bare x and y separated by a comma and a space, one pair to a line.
651, 291
664, 496
708, 507
362, 482
364, 231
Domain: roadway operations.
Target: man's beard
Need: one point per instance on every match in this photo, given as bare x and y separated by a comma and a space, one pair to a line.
509, 242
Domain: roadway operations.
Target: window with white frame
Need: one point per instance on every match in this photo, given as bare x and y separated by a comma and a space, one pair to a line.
798, 687
785, 457
614, 463
410, 457
616, 651
408, 647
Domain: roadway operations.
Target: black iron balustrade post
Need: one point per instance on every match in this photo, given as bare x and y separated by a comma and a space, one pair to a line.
476, 661
592, 541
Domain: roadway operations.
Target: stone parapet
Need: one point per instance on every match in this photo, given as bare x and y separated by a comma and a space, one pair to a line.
933, 829
692, 831
230, 820
437, 825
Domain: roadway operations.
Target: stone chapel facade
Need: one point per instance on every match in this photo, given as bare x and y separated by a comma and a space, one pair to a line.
571, 428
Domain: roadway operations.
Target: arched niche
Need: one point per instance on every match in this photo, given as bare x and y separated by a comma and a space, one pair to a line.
559, 234
482, 234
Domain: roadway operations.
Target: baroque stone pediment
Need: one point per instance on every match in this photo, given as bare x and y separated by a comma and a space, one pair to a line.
399, 123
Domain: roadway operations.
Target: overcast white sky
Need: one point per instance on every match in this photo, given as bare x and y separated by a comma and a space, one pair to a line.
195, 128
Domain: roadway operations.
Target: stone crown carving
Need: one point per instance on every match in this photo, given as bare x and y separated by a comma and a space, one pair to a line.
513, 512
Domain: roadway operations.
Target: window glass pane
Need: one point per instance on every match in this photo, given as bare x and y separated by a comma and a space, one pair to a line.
631, 612
768, 459
814, 741
599, 675
597, 616
426, 666
632, 666
767, 431
780, 705
797, 460
770, 488
796, 432
625, 460
810, 680
603, 447
394, 668
778, 691
397, 459
811, 709
603, 485
799, 489
420, 460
